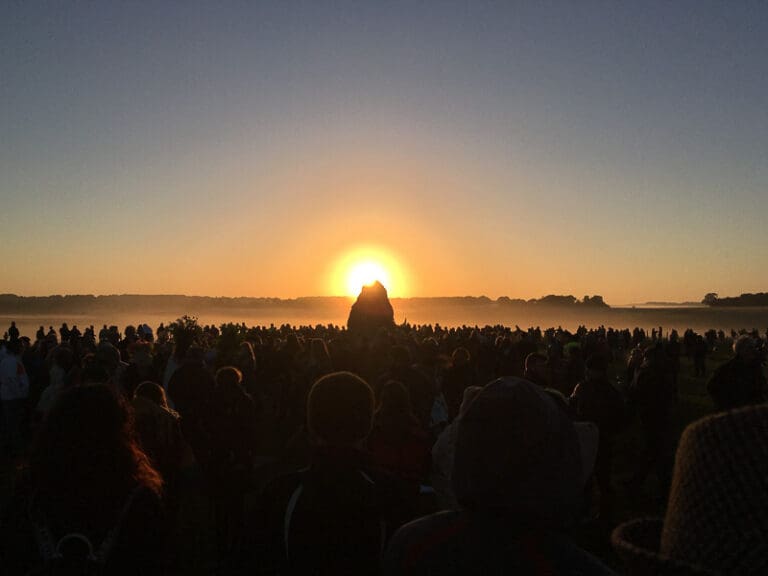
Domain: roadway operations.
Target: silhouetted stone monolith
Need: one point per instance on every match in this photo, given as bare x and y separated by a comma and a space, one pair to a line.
371, 311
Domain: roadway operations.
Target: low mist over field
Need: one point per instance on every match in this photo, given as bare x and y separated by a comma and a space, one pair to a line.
30, 313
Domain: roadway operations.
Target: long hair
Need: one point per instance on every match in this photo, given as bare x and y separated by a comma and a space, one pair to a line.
86, 460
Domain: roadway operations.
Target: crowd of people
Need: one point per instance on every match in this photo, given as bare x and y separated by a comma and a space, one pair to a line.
415, 449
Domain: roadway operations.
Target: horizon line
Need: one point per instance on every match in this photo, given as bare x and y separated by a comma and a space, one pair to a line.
334, 296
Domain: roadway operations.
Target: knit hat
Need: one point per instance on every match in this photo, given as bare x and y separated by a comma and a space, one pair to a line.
517, 450
340, 408
717, 515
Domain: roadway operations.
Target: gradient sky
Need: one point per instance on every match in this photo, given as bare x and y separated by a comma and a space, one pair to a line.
497, 148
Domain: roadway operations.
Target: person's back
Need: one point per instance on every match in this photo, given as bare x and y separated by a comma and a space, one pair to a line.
233, 428
596, 400
488, 542
519, 472
332, 515
397, 443
331, 518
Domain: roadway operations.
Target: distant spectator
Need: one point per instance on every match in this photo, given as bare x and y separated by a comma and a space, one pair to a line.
14, 391
700, 351
59, 378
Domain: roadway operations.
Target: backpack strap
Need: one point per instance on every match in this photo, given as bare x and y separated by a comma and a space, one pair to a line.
112, 536
289, 510
51, 549
382, 523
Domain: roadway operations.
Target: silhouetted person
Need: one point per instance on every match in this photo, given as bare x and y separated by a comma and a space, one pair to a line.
91, 489
596, 400
421, 389
740, 381
159, 431
652, 393
14, 391
331, 518
13, 332
700, 350
456, 379
673, 351
536, 369
191, 389
64, 332
398, 444
233, 440
519, 474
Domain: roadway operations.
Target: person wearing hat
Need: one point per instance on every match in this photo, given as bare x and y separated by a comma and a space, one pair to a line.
520, 467
716, 521
332, 517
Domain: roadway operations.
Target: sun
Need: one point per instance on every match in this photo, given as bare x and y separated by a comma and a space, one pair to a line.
364, 274
364, 265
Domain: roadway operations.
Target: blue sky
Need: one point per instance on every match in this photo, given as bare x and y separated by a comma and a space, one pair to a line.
498, 148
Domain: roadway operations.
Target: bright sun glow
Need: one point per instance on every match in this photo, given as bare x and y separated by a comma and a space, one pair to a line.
364, 266
364, 274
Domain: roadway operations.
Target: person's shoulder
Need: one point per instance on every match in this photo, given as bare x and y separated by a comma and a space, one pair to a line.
565, 557
421, 537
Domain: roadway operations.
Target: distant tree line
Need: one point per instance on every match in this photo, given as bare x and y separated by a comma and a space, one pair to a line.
758, 299
88, 303
556, 300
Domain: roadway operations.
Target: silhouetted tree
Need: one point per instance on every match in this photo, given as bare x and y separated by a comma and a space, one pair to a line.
710, 299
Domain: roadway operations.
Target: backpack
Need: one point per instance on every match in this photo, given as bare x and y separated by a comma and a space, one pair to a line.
74, 553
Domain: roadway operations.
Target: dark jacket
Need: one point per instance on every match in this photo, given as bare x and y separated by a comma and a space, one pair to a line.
483, 543
331, 518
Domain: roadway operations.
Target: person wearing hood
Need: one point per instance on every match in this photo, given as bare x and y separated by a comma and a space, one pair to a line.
519, 473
